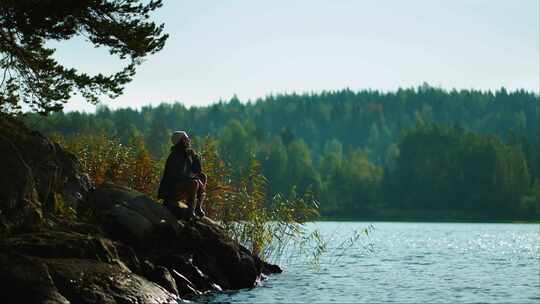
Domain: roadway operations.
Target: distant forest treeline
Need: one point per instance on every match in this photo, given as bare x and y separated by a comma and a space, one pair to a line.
419, 153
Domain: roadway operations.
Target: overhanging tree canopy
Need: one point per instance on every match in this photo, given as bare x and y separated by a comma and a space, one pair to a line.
30, 75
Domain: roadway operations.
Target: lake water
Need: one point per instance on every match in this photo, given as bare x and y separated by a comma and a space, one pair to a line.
411, 263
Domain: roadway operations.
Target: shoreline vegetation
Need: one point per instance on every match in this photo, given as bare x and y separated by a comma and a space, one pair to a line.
231, 198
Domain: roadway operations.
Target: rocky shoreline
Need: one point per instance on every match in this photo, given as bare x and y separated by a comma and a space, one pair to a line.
118, 246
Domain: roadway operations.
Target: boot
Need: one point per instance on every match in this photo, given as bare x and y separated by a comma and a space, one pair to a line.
191, 208
200, 201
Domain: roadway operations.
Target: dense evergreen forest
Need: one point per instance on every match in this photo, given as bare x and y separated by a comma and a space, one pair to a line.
419, 153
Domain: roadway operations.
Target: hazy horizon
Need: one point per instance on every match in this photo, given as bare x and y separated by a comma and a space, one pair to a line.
253, 50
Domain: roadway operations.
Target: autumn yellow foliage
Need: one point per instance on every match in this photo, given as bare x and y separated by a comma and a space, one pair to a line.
106, 159
240, 203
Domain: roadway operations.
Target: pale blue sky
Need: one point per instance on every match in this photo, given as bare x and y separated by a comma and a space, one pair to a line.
254, 48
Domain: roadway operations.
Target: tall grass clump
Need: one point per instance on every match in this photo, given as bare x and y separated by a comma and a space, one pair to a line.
268, 225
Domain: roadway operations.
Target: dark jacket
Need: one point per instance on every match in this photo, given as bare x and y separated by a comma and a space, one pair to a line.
182, 165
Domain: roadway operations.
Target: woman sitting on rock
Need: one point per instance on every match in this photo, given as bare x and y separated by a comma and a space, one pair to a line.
183, 178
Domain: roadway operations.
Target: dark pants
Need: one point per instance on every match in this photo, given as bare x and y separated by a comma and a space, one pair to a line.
190, 191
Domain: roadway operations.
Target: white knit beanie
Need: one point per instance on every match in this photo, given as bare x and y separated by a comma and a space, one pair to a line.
177, 136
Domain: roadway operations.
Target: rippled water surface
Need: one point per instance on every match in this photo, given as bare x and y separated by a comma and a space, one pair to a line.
412, 262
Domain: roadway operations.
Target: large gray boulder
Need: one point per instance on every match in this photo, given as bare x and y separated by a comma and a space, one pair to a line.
131, 216
199, 249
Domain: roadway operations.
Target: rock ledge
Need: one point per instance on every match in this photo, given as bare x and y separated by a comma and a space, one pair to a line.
129, 250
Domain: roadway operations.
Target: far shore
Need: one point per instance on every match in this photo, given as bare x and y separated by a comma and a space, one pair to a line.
428, 220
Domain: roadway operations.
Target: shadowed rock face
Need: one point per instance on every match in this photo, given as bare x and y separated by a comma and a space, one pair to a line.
34, 173
131, 250
18, 199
